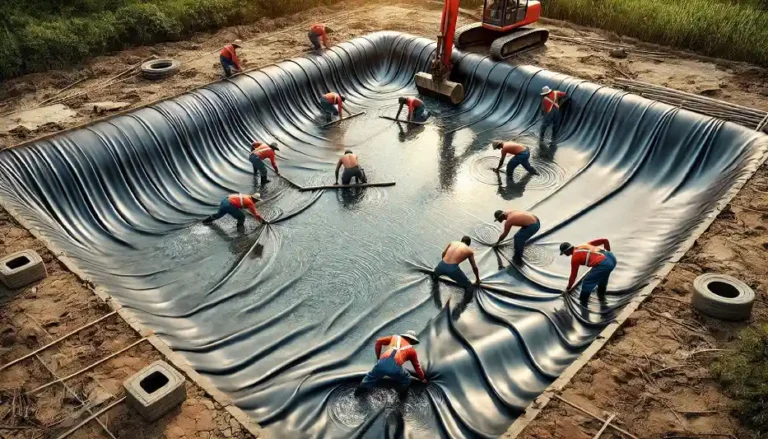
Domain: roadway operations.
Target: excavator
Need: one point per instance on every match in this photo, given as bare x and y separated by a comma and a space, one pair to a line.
504, 27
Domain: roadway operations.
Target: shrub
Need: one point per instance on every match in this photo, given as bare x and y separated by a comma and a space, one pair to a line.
744, 375
145, 23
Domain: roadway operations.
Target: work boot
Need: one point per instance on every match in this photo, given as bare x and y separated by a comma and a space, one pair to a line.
208, 220
517, 260
360, 391
241, 226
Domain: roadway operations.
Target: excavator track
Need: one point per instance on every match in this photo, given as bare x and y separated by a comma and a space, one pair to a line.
473, 35
520, 40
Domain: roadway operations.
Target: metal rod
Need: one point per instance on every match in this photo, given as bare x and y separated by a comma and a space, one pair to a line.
85, 369
38, 350
340, 119
344, 186
625, 432
90, 418
607, 423
404, 121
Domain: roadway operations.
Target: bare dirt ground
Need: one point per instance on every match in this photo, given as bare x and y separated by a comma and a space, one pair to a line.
625, 378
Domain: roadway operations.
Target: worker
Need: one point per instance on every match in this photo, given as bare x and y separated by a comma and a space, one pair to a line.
398, 350
529, 224
260, 152
551, 103
331, 104
601, 261
453, 255
417, 112
319, 32
521, 156
229, 60
351, 169
232, 206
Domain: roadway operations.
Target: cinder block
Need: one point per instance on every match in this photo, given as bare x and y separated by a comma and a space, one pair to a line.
21, 268
155, 390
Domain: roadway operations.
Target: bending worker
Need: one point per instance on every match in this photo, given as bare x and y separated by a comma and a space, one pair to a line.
229, 60
529, 224
455, 254
232, 206
521, 156
602, 262
260, 152
331, 103
399, 349
551, 102
417, 112
319, 32
351, 169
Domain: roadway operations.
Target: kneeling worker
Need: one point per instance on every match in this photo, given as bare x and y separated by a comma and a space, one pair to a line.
529, 224
331, 103
399, 349
417, 112
229, 60
602, 262
260, 152
351, 169
521, 156
319, 32
232, 206
455, 254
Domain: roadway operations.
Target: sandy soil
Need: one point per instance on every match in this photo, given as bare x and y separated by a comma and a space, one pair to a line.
649, 403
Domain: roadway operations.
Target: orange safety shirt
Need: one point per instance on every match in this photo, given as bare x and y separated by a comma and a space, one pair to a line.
263, 151
583, 256
319, 29
241, 201
229, 53
552, 100
334, 99
413, 103
402, 350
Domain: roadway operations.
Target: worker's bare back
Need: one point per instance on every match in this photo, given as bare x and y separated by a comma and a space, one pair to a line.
519, 218
349, 160
512, 148
457, 252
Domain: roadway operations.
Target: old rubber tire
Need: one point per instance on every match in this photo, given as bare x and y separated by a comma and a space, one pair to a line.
722, 297
160, 68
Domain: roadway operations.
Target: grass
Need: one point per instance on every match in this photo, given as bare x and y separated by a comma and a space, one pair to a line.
736, 30
744, 375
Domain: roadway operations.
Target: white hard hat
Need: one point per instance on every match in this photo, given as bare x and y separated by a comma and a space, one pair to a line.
237, 43
256, 196
411, 336
546, 90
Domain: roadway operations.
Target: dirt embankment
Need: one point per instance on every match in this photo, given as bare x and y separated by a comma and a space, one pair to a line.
653, 374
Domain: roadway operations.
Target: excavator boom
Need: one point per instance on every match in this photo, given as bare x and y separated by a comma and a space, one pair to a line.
436, 83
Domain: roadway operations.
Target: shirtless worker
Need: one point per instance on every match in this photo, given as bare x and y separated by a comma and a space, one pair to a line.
521, 156
399, 349
351, 169
417, 112
453, 255
529, 224
233, 205
601, 261
331, 103
318, 32
259, 153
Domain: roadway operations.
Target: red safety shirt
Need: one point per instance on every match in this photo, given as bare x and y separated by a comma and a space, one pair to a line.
552, 100
319, 29
263, 151
334, 99
402, 350
413, 103
229, 53
241, 201
586, 257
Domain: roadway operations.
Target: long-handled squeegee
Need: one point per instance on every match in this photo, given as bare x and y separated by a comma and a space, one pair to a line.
436, 83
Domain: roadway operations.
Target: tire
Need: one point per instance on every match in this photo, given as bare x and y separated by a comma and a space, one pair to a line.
722, 297
160, 68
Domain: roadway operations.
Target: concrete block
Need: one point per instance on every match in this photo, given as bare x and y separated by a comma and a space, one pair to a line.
155, 390
21, 268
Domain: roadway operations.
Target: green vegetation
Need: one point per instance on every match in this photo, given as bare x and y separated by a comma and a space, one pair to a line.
736, 29
744, 375
39, 35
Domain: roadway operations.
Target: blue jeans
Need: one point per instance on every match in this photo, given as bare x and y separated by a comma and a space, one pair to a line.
520, 159
420, 114
598, 277
523, 235
227, 65
454, 272
387, 367
314, 39
226, 208
258, 167
329, 108
552, 118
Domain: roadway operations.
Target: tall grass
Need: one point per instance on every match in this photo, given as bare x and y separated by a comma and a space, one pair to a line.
39, 35
733, 30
